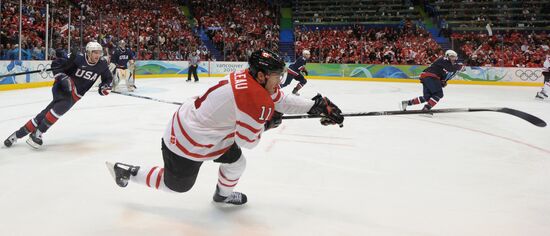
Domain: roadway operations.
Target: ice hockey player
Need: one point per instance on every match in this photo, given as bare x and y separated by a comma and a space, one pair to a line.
123, 61
296, 71
213, 127
543, 94
75, 76
434, 79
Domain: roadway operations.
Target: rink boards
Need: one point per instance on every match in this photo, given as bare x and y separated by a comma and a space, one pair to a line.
510, 76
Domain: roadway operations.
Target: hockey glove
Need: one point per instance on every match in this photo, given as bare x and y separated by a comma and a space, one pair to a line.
329, 112
64, 81
460, 67
104, 89
275, 121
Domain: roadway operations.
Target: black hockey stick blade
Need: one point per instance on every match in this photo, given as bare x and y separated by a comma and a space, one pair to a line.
523, 115
520, 114
145, 97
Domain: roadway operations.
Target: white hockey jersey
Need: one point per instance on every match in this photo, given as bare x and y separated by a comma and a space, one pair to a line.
233, 111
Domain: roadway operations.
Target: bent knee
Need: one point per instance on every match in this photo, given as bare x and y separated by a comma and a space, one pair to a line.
179, 184
180, 188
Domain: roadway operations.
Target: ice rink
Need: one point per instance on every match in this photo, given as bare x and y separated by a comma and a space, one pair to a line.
481, 173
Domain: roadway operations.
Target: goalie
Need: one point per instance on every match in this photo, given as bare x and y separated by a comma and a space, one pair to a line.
123, 67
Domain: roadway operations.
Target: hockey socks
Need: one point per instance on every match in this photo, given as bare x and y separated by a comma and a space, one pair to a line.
152, 177
50, 119
431, 103
416, 101
229, 175
29, 127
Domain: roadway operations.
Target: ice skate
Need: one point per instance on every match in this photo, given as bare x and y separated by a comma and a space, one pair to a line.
12, 139
35, 139
403, 105
296, 89
428, 113
235, 198
541, 95
121, 172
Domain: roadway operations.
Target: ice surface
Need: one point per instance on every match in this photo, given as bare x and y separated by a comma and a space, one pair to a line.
482, 173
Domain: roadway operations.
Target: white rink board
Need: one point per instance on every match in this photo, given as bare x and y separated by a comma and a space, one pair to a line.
170, 68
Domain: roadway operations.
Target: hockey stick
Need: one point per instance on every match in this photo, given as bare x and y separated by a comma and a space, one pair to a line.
28, 72
520, 114
145, 97
517, 113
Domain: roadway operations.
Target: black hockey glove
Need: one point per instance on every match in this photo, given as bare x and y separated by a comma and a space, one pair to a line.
64, 82
460, 67
329, 112
275, 121
104, 89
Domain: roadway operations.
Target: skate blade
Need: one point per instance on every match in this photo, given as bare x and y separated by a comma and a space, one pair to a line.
33, 144
227, 206
428, 115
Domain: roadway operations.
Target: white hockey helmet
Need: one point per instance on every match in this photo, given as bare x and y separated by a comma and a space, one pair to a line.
451, 53
93, 46
305, 52
121, 43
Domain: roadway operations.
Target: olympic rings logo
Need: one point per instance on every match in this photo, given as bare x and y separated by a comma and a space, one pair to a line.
532, 75
43, 73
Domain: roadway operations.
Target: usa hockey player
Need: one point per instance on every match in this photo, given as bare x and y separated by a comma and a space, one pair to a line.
123, 59
73, 79
543, 94
213, 127
433, 79
295, 71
